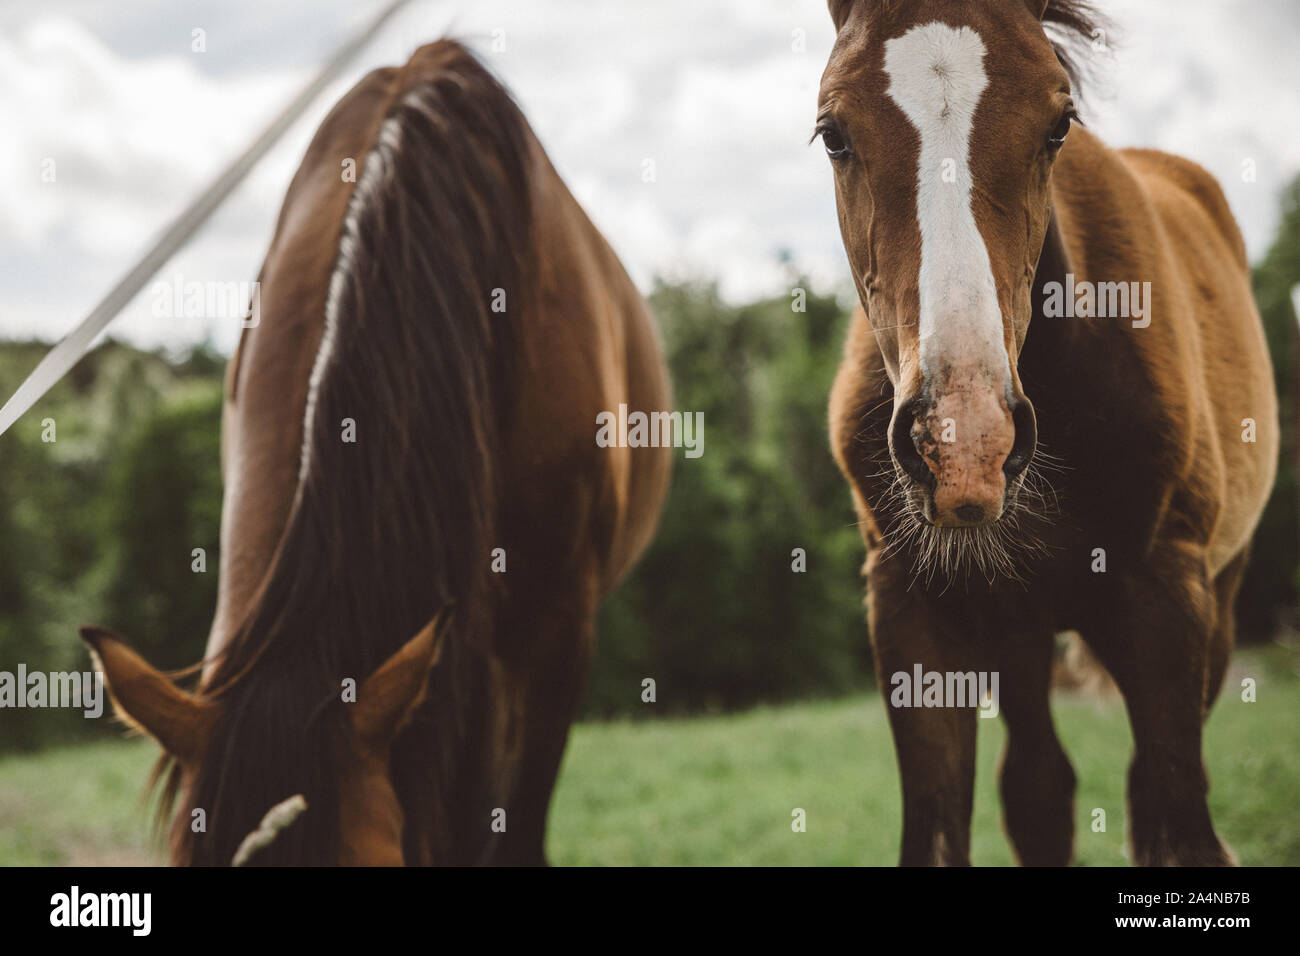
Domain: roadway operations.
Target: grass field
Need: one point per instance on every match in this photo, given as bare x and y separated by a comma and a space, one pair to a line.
720, 790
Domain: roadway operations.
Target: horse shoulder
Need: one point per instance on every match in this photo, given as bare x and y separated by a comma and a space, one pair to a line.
861, 405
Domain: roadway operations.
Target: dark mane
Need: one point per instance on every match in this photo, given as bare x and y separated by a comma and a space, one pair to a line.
388, 529
1071, 25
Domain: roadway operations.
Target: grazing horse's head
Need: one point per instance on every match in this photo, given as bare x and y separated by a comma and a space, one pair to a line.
238, 752
942, 120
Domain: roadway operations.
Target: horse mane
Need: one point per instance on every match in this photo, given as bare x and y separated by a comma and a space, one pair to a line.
1070, 26
386, 530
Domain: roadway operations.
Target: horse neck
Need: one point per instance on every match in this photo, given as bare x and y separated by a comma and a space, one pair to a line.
1087, 214
1052, 342
1083, 374
1102, 228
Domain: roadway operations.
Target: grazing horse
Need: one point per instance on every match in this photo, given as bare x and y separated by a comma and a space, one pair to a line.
1055, 412
418, 522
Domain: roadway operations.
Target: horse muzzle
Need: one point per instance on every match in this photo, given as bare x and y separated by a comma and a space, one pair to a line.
963, 449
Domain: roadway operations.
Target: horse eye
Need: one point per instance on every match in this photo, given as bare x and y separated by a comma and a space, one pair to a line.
836, 146
1057, 139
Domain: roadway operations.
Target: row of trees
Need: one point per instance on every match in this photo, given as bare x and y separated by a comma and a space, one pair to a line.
105, 488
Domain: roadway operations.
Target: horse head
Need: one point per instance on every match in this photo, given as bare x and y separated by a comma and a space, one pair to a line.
942, 122
353, 816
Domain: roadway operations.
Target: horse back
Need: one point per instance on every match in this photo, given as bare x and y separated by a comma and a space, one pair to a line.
1160, 170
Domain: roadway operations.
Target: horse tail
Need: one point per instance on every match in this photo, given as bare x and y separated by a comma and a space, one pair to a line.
1078, 670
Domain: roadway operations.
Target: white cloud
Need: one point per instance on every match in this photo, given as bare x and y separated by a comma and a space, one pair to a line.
711, 90
1213, 80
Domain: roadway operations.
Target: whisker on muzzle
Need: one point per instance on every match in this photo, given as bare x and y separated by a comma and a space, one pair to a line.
1004, 549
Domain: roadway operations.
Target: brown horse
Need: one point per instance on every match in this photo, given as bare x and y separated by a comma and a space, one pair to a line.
410, 449
1002, 262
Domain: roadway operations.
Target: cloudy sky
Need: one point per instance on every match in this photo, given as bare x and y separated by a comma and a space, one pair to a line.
721, 94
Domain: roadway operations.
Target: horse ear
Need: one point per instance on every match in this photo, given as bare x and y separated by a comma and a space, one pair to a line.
147, 700
840, 11
1038, 8
390, 695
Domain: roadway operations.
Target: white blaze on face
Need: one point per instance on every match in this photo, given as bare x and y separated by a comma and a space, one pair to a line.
936, 76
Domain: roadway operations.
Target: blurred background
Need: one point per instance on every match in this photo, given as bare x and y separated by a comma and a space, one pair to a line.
138, 106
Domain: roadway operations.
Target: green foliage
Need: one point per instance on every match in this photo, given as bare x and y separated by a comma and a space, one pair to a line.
22, 606
88, 520
163, 503
714, 612
1273, 578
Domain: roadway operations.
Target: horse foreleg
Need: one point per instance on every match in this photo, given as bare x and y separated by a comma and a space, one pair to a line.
935, 745
546, 692
1158, 650
1035, 779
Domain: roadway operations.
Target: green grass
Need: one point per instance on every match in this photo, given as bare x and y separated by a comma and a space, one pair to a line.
721, 789
77, 805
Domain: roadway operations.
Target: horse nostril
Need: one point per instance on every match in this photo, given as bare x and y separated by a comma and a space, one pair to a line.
904, 448
971, 514
1022, 451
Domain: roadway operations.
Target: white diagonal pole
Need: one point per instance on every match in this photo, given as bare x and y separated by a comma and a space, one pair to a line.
60, 359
